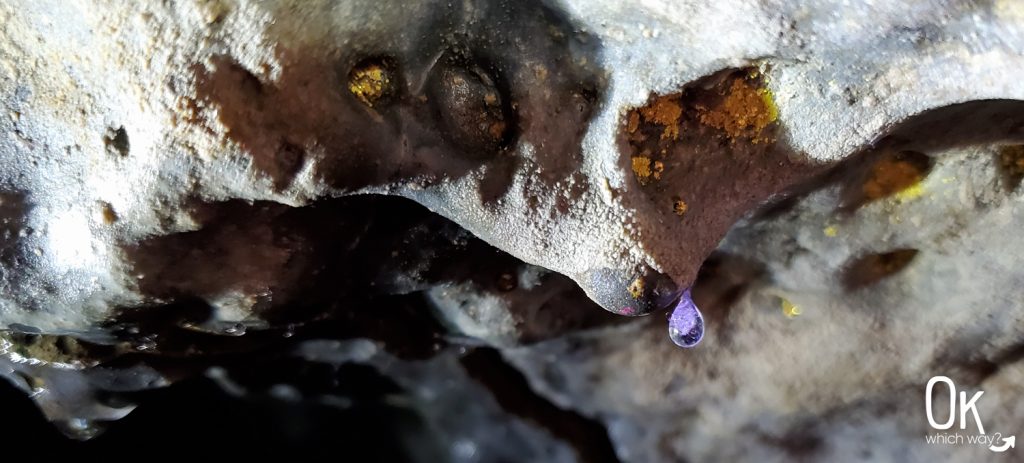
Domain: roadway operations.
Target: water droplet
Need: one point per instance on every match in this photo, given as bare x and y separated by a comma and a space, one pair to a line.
686, 324
78, 428
464, 450
236, 329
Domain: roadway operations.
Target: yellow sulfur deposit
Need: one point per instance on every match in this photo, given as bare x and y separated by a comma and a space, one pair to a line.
789, 309
744, 112
369, 83
890, 176
665, 111
642, 168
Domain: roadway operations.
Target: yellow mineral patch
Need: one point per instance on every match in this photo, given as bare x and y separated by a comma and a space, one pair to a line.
665, 111
642, 168
369, 82
669, 130
831, 231
745, 111
636, 288
46, 348
890, 176
769, 103
679, 207
789, 309
911, 192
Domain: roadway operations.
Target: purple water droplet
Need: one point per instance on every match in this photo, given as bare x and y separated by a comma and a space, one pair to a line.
686, 324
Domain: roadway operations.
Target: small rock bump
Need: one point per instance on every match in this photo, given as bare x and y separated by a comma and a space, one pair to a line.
636, 288
475, 114
116, 141
640, 294
107, 213
679, 207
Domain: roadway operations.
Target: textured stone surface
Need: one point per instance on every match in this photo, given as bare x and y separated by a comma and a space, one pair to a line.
844, 380
138, 116
169, 175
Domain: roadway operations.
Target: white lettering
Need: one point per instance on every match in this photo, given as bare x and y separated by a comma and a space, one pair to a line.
966, 405
952, 402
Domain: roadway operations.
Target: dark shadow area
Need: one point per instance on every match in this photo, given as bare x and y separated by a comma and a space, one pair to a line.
513, 392
13, 209
972, 367
339, 259
869, 269
1010, 162
354, 267
196, 417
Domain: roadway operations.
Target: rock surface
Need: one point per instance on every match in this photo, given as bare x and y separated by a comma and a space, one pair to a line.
844, 379
170, 176
123, 123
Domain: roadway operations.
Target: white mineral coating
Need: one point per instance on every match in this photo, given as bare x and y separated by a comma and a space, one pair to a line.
211, 96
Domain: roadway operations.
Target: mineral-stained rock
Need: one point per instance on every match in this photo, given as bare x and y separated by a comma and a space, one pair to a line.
844, 379
170, 175
506, 117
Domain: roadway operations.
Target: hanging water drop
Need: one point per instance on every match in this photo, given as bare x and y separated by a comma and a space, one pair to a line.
686, 324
